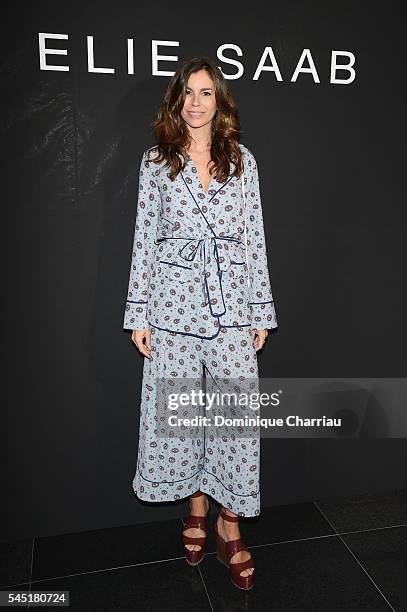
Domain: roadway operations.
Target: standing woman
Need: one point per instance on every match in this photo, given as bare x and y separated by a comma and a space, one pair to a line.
199, 296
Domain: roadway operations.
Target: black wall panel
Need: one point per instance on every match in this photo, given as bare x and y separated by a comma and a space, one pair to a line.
331, 159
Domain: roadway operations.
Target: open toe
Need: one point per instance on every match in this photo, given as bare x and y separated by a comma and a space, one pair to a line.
195, 555
226, 550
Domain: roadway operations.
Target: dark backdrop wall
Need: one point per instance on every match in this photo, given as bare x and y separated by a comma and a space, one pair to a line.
331, 162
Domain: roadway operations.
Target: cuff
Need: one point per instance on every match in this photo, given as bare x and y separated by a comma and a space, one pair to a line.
135, 316
263, 315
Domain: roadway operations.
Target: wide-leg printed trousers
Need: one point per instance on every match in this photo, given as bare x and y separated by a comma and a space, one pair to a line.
220, 461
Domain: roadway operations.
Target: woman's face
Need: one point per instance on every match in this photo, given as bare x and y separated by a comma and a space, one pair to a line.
200, 101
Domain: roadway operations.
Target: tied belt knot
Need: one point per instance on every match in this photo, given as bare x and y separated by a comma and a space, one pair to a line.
205, 250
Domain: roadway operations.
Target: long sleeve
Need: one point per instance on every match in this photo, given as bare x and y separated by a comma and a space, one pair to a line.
260, 295
135, 316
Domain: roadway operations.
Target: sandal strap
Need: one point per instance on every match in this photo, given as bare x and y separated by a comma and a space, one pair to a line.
197, 522
199, 541
235, 546
226, 517
239, 567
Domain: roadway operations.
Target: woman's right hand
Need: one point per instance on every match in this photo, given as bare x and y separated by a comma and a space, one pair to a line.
138, 336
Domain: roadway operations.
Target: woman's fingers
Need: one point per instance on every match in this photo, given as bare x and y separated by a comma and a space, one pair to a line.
259, 337
138, 336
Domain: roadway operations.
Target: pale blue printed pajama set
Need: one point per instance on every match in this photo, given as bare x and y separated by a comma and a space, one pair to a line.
189, 284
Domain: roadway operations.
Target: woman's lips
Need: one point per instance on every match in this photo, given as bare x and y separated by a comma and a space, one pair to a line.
195, 113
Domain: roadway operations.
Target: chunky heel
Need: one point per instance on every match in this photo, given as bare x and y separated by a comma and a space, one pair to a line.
194, 557
226, 550
221, 552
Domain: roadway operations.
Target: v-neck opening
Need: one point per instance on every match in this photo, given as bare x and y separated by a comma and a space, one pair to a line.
199, 178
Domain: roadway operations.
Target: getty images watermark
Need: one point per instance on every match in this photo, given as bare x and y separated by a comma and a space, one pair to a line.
284, 407
210, 401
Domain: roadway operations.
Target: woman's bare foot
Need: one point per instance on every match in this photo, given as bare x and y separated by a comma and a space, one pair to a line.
230, 531
199, 506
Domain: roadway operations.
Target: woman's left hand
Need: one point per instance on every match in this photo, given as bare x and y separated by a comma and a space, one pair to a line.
259, 337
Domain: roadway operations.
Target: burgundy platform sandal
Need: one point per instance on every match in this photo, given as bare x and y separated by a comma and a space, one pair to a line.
226, 550
194, 557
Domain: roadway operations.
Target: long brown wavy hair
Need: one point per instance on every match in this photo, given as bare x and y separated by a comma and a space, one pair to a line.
171, 132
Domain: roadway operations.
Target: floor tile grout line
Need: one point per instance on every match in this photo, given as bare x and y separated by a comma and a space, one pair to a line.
31, 569
326, 535
348, 532
206, 590
372, 529
354, 556
199, 571
336, 534
105, 569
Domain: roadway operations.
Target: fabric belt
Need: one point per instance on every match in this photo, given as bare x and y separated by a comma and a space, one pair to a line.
205, 250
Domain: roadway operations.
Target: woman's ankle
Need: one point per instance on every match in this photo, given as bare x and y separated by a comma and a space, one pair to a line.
199, 504
227, 528
228, 512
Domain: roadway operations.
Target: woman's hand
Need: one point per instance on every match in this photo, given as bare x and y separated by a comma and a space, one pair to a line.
138, 337
261, 335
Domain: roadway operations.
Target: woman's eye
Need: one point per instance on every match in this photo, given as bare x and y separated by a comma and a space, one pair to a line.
205, 93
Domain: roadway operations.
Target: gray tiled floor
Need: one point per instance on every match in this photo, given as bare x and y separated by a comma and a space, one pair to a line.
347, 554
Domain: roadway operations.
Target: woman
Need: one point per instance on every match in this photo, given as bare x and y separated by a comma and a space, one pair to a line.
199, 300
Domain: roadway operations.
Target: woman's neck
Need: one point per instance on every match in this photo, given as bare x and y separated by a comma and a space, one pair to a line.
200, 140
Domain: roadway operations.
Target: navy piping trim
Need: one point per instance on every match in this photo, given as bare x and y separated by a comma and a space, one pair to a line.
171, 263
219, 314
210, 373
237, 326
134, 302
189, 477
220, 280
224, 184
232, 492
203, 368
168, 481
231, 238
186, 333
195, 335
220, 272
214, 314
256, 303
199, 208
